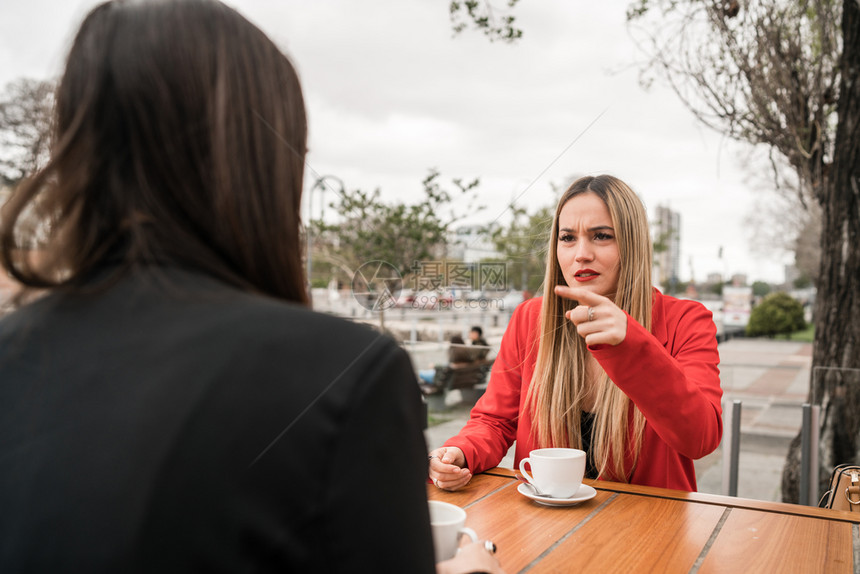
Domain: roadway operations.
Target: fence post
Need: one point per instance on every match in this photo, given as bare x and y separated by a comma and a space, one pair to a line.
731, 455
809, 455
813, 457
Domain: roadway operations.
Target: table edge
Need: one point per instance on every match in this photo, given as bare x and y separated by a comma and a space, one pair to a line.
703, 498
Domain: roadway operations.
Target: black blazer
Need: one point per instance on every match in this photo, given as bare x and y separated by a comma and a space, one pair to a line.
174, 423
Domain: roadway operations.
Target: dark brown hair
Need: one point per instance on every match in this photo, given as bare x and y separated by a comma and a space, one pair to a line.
180, 136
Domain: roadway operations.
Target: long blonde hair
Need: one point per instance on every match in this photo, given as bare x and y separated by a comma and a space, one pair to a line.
558, 388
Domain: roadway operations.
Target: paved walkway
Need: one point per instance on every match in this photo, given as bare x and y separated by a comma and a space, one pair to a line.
770, 378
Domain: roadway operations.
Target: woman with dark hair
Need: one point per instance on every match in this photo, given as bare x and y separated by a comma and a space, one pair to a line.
167, 401
602, 362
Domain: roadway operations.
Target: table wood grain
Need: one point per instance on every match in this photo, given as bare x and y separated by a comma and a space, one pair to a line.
665, 536
629, 528
752, 541
480, 486
522, 529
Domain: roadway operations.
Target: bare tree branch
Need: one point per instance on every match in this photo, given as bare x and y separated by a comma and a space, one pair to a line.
763, 71
26, 107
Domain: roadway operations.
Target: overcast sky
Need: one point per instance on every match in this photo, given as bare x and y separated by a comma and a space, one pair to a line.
390, 94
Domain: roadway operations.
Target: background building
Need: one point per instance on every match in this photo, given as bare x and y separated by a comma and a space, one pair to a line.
740, 280
470, 244
667, 247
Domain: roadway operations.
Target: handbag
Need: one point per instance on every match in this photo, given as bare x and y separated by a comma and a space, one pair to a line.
844, 491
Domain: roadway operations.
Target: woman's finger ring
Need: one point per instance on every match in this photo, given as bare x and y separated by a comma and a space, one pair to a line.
436, 482
490, 546
432, 456
591, 313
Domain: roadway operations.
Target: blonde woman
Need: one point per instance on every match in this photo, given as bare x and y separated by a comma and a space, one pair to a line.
603, 361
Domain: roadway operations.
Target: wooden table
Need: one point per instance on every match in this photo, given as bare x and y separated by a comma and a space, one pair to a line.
632, 529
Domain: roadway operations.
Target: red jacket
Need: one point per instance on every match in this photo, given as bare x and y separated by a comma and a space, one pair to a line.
671, 374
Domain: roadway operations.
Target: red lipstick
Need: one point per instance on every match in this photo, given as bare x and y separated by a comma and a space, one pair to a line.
584, 275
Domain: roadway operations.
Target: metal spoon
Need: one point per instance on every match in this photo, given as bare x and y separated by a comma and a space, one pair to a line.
523, 479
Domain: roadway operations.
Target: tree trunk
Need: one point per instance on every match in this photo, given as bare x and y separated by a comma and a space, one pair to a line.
835, 381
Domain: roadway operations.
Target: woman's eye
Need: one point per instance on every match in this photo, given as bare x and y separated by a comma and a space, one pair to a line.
602, 236
565, 237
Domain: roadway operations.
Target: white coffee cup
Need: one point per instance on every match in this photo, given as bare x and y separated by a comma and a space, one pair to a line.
448, 524
556, 472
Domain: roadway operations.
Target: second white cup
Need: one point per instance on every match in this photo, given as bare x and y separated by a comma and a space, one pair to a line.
448, 524
557, 472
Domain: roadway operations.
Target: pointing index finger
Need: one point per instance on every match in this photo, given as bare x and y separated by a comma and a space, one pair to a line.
583, 296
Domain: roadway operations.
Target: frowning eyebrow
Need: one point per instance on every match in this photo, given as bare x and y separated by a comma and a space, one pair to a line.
591, 229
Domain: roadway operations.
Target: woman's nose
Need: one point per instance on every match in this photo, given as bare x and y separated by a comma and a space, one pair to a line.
584, 252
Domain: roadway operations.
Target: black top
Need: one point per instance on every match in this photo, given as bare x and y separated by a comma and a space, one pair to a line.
176, 424
481, 354
586, 425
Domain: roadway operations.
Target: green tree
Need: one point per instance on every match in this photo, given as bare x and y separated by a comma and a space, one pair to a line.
760, 288
802, 282
785, 74
486, 18
522, 245
402, 235
777, 314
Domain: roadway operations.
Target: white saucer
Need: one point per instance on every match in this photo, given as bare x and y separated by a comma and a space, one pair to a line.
584, 493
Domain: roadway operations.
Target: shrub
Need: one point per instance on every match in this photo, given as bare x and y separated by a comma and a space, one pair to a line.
777, 314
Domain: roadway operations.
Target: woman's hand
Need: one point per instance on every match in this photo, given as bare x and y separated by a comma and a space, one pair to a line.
470, 558
598, 320
447, 468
